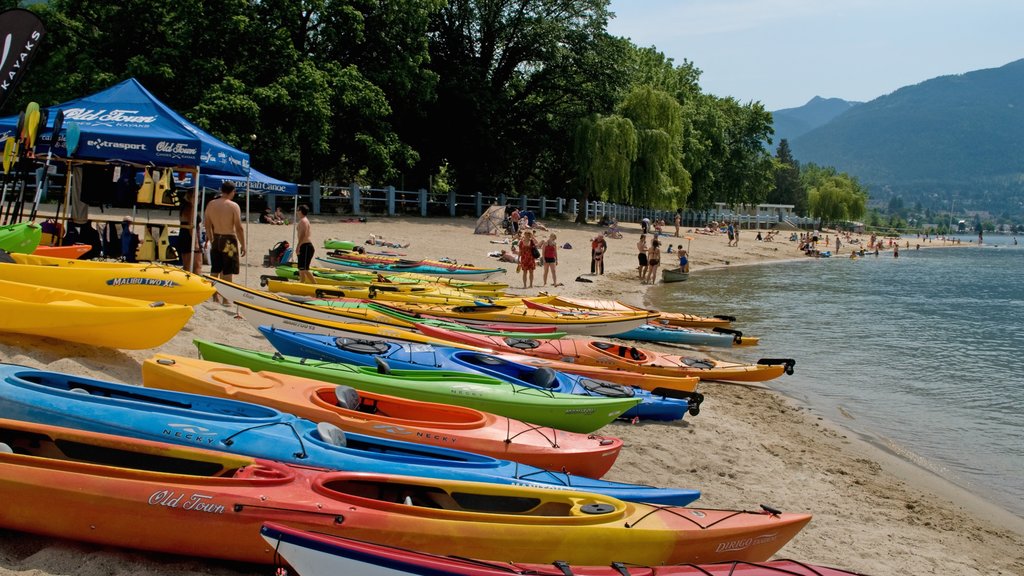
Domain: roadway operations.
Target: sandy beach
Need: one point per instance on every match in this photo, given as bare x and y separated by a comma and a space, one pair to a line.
874, 512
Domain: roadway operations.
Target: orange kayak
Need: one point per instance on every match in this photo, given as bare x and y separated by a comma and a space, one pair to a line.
71, 251
619, 357
60, 482
389, 416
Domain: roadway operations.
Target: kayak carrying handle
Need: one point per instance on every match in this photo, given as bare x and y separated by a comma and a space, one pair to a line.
789, 363
230, 439
737, 336
725, 317
694, 399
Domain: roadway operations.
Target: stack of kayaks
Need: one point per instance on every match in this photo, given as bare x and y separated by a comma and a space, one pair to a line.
331, 275
543, 407
619, 356
413, 266
389, 416
248, 429
369, 353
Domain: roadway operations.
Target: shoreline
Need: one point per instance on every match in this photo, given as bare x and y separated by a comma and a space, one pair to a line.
873, 513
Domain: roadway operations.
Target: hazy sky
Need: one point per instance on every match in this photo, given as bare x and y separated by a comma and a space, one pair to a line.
784, 52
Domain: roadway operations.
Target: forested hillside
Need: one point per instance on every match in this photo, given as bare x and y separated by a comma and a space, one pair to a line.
953, 137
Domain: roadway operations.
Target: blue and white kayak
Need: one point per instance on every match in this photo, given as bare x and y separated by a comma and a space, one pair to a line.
61, 399
428, 357
721, 337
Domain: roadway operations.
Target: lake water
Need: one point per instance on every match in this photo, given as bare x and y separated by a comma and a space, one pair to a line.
923, 352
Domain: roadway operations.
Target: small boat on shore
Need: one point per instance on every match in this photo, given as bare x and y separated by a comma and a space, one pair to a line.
674, 275
21, 238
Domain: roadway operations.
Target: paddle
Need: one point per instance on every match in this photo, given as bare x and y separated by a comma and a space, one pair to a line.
19, 136
71, 138
10, 153
37, 119
58, 123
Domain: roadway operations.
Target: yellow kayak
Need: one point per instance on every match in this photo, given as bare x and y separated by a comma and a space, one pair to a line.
88, 318
422, 294
142, 281
664, 318
396, 279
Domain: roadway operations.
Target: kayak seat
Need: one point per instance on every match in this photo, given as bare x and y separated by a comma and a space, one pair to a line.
5, 449
347, 397
545, 378
331, 434
522, 343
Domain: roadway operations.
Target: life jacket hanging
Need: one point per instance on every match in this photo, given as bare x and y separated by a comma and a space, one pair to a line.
164, 195
146, 191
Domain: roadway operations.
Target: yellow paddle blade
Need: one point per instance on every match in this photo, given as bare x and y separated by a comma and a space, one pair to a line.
10, 151
33, 127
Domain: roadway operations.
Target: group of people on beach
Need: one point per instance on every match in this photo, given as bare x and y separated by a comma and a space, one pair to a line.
527, 251
276, 217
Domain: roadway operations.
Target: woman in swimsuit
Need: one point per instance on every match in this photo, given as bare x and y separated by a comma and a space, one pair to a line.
653, 261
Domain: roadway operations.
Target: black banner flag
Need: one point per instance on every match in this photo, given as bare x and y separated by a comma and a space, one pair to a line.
20, 34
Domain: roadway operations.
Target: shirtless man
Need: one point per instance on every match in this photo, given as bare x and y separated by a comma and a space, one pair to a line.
226, 236
302, 228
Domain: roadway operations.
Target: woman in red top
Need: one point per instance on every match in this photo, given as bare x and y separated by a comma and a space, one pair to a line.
550, 253
527, 260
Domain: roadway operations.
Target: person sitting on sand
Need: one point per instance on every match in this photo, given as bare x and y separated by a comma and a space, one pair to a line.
375, 240
278, 217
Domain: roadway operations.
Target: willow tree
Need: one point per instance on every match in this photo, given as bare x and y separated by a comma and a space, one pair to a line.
604, 148
836, 198
657, 177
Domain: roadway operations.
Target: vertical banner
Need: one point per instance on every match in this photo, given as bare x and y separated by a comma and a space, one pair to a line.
20, 34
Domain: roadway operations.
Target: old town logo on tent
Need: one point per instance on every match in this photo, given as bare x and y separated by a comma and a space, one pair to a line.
102, 117
20, 34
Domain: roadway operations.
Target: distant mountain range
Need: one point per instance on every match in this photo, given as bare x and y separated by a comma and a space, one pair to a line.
957, 137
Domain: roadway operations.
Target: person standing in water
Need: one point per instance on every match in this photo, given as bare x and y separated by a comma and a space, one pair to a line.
305, 239
225, 236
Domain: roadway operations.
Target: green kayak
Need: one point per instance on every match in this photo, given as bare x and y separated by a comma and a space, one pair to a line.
21, 238
574, 413
335, 244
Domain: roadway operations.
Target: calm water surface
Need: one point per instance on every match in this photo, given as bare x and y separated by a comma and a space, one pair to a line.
923, 352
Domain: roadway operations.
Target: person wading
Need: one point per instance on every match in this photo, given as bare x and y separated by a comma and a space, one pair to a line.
226, 236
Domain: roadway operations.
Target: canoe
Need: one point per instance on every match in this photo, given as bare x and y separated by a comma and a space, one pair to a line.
88, 318
453, 271
582, 324
372, 353
316, 553
665, 385
70, 251
261, 432
719, 337
21, 238
399, 278
669, 275
477, 391
142, 281
620, 357
671, 318
389, 416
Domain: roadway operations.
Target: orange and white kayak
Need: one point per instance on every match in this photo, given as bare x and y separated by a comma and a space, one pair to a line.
388, 416
664, 318
619, 357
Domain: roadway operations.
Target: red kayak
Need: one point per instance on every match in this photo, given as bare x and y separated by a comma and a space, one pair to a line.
315, 553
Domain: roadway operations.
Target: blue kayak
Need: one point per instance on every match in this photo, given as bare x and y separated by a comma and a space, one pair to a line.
678, 335
72, 401
426, 357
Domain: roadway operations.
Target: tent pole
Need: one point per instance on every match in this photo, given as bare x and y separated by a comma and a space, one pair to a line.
295, 212
248, 195
198, 204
